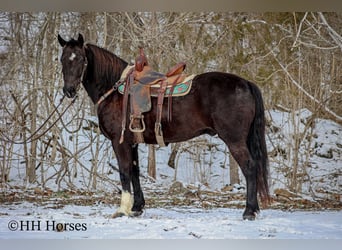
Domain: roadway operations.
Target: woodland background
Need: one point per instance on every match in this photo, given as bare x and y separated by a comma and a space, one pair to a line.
295, 58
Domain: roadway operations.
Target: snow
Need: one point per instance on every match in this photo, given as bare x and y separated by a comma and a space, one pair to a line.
166, 223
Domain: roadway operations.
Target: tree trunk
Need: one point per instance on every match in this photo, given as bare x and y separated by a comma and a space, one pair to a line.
233, 171
151, 167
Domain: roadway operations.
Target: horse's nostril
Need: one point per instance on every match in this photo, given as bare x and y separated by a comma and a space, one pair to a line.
69, 92
65, 90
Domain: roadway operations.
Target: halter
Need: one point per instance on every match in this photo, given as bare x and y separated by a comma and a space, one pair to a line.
85, 64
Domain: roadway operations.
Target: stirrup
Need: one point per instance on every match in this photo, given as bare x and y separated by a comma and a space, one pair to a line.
137, 130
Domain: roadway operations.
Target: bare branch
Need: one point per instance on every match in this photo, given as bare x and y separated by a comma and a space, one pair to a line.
334, 35
333, 115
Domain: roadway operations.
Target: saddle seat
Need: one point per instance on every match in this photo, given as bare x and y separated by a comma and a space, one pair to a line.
147, 76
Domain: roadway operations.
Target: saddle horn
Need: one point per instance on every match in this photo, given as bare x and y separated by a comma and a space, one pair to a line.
141, 60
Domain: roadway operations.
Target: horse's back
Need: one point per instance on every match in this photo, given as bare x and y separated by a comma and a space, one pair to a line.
221, 82
223, 91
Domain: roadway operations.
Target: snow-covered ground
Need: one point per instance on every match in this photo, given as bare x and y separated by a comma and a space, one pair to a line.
31, 221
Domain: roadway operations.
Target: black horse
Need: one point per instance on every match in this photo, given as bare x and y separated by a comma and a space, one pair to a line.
218, 103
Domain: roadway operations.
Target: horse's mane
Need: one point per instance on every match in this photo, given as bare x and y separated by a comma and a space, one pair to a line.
107, 67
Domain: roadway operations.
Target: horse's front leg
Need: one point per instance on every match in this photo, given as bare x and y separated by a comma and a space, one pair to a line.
139, 201
129, 174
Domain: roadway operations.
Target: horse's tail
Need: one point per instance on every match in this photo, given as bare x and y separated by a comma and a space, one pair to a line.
257, 145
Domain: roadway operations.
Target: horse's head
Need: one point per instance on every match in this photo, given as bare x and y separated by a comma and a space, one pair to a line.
74, 64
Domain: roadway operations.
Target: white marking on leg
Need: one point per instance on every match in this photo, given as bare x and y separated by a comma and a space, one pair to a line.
126, 203
72, 57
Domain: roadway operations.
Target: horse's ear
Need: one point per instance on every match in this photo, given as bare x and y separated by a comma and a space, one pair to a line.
61, 41
80, 39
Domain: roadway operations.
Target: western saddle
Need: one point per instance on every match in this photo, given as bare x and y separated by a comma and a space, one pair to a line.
140, 81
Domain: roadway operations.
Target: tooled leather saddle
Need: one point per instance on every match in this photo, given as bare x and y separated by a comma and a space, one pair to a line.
142, 83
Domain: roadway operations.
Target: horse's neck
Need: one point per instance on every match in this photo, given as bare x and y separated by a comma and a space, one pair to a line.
98, 83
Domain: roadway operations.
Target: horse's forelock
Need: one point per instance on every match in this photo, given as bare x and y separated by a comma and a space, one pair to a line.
73, 43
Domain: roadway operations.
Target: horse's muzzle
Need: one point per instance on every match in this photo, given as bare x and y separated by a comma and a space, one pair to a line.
70, 92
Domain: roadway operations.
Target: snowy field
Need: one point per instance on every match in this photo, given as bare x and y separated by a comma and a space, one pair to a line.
30, 221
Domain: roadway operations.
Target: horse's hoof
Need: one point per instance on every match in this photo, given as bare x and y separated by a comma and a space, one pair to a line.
249, 217
135, 213
117, 215
250, 214
131, 214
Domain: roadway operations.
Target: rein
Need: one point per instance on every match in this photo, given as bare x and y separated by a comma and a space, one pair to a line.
33, 136
125, 73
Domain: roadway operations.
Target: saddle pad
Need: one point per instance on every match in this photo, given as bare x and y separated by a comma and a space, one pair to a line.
180, 89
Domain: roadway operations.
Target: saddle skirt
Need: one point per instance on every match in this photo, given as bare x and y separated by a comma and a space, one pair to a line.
181, 88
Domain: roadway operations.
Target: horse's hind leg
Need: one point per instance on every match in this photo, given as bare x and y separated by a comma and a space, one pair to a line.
243, 157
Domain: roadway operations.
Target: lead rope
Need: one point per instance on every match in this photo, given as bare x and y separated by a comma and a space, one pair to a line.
32, 136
